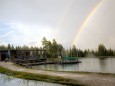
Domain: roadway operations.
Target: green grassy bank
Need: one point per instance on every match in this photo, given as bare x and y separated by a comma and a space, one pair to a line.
39, 77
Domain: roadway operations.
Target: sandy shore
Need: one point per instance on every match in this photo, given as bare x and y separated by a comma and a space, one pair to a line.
88, 79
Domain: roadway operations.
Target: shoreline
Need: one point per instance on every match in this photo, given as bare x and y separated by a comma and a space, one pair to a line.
81, 72
38, 77
60, 77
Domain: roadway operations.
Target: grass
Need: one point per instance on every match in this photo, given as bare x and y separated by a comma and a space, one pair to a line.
39, 77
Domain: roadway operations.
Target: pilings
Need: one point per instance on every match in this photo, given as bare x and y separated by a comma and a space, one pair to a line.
0, 56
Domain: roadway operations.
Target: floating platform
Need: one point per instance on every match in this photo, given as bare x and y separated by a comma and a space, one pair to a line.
45, 63
70, 62
33, 62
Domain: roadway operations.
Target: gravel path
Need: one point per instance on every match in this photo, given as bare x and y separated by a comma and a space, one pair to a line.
87, 79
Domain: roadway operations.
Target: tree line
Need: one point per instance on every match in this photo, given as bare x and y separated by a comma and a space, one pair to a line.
11, 47
101, 51
54, 49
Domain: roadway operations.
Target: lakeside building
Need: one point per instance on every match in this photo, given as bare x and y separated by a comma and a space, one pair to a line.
22, 54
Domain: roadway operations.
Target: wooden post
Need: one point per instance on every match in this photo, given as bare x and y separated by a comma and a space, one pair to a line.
31, 52
0, 56
12, 56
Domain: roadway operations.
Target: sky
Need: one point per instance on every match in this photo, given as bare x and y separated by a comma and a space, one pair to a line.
84, 23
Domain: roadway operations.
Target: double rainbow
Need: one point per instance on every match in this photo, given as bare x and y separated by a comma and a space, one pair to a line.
96, 7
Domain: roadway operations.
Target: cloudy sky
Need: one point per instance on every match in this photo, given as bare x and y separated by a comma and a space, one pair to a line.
84, 23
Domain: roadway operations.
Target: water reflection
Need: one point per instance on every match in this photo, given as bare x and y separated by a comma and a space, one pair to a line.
10, 81
103, 65
88, 65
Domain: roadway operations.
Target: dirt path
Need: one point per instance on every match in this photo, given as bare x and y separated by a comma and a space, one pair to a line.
87, 79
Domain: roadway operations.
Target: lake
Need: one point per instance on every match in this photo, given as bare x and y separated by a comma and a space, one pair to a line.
11, 81
91, 64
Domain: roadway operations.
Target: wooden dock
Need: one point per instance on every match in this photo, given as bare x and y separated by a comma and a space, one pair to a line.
28, 63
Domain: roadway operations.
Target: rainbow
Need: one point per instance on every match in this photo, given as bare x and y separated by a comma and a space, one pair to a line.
63, 18
96, 7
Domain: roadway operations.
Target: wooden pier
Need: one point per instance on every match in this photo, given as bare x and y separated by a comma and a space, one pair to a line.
28, 63
33, 57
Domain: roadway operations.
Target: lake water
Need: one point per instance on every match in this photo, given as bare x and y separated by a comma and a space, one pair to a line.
106, 65
11, 81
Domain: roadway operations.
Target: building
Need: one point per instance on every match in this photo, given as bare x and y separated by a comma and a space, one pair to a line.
22, 54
